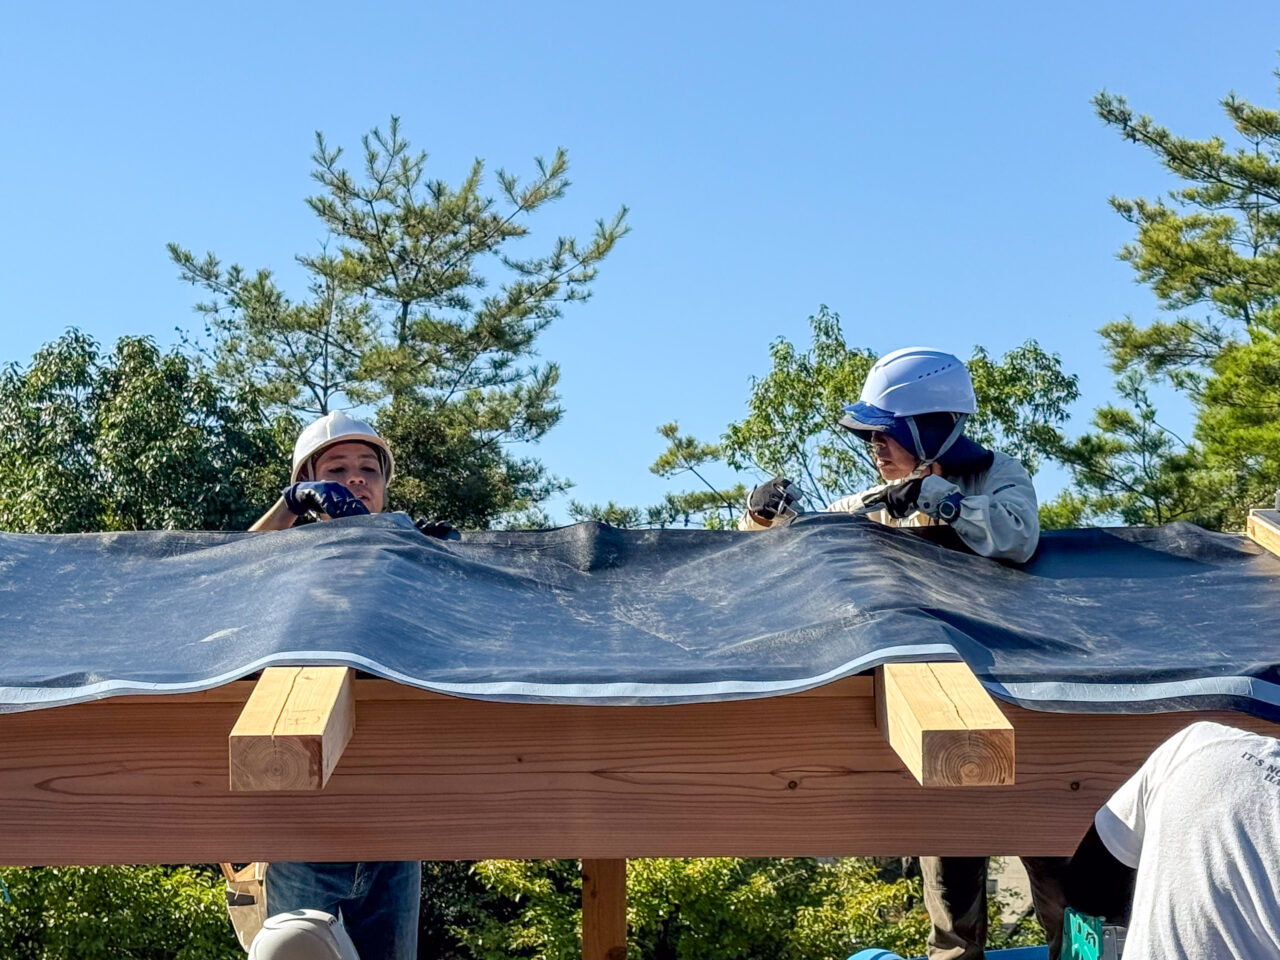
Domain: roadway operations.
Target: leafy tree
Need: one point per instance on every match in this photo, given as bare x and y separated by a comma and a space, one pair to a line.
401, 317
115, 913
1210, 251
134, 440
708, 908
791, 426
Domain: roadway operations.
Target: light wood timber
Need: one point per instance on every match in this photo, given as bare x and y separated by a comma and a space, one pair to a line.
944, 725
1264, 529
293, 729
604, 910
144, 780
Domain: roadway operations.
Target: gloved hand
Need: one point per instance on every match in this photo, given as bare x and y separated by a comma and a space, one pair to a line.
900, 499
440, 529
772, 498
326, 496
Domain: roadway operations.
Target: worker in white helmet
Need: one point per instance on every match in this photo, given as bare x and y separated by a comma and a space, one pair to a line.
341, 468
912, 412
303, 935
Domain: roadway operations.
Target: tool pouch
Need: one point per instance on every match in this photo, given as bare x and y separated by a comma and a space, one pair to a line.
246, 899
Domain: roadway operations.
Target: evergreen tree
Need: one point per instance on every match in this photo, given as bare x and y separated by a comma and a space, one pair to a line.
426, 313
1210, 251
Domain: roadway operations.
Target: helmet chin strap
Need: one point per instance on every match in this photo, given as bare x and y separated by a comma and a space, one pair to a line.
926, 462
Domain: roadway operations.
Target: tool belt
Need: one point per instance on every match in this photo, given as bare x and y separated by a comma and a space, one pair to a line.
246, 899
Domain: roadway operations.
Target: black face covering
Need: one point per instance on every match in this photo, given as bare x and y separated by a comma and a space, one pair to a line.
965, 458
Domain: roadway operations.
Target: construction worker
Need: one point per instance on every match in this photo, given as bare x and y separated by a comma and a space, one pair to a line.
1188, 849
303, 935
341, 467
912, 412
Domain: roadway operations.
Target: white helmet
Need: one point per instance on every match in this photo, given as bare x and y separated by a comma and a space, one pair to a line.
907, 383
302, 935
334, 428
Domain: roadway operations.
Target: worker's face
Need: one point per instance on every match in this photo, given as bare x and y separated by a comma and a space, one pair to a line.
356, 467
893, 460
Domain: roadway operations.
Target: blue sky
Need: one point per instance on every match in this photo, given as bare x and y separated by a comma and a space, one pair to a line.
935, 174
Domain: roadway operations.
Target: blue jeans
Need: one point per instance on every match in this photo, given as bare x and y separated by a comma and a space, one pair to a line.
378, 901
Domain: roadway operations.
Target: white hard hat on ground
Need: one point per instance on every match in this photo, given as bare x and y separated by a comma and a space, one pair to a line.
909, 383
333, 428
302, 935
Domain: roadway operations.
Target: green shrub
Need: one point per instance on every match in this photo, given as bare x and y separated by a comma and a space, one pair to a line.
115, 913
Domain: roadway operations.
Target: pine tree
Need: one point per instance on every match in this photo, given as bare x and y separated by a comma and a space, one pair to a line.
423, 313
1210, 251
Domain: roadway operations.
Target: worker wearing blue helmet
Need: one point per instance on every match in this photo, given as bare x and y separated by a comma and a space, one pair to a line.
912, 413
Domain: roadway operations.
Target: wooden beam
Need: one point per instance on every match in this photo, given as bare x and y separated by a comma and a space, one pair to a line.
293, 729
1264, 528
944, 725
144, 780
604, 910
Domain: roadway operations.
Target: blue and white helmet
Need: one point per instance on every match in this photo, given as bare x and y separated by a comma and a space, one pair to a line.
907, 383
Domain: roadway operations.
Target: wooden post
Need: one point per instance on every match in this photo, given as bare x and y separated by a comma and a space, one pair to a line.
293, 729
604, 910
1264, 529
944, 725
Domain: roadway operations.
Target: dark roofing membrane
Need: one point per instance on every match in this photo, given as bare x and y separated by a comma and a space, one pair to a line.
1101, 621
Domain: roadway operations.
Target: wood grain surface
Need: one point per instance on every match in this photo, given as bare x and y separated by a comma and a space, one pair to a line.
944, 725
293, 729
604, 910
1264, 528
144, 780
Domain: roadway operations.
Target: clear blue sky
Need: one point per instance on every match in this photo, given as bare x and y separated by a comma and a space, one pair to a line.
933, 172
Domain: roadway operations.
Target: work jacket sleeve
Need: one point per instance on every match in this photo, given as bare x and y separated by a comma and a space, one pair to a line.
857, 502
1002, 519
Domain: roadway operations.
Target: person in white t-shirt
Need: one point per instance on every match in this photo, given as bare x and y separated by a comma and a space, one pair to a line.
1189, 848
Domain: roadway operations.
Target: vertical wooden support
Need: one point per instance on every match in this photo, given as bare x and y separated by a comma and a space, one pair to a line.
604, 910
944, 725
293, 729
1264, 529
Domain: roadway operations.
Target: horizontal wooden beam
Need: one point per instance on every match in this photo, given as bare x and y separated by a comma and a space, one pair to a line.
944, 725
1264, 528
144, 780
293, 729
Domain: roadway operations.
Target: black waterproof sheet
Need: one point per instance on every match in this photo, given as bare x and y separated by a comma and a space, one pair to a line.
1118, 620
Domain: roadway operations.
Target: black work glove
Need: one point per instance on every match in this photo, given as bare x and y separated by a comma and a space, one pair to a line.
770, 499
900, 499
325, 496
440, 529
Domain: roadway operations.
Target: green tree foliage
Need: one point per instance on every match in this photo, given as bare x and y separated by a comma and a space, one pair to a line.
137, 439
707, 506
115, 913
1210, 251
1132, 468
428, 309
791, 426
709, 908
793, 411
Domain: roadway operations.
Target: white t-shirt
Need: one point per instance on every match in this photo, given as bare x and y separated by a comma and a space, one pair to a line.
1200, 821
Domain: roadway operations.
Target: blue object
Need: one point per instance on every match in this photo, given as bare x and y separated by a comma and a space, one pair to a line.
875, 953
327, 496
378, 901
551, 615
